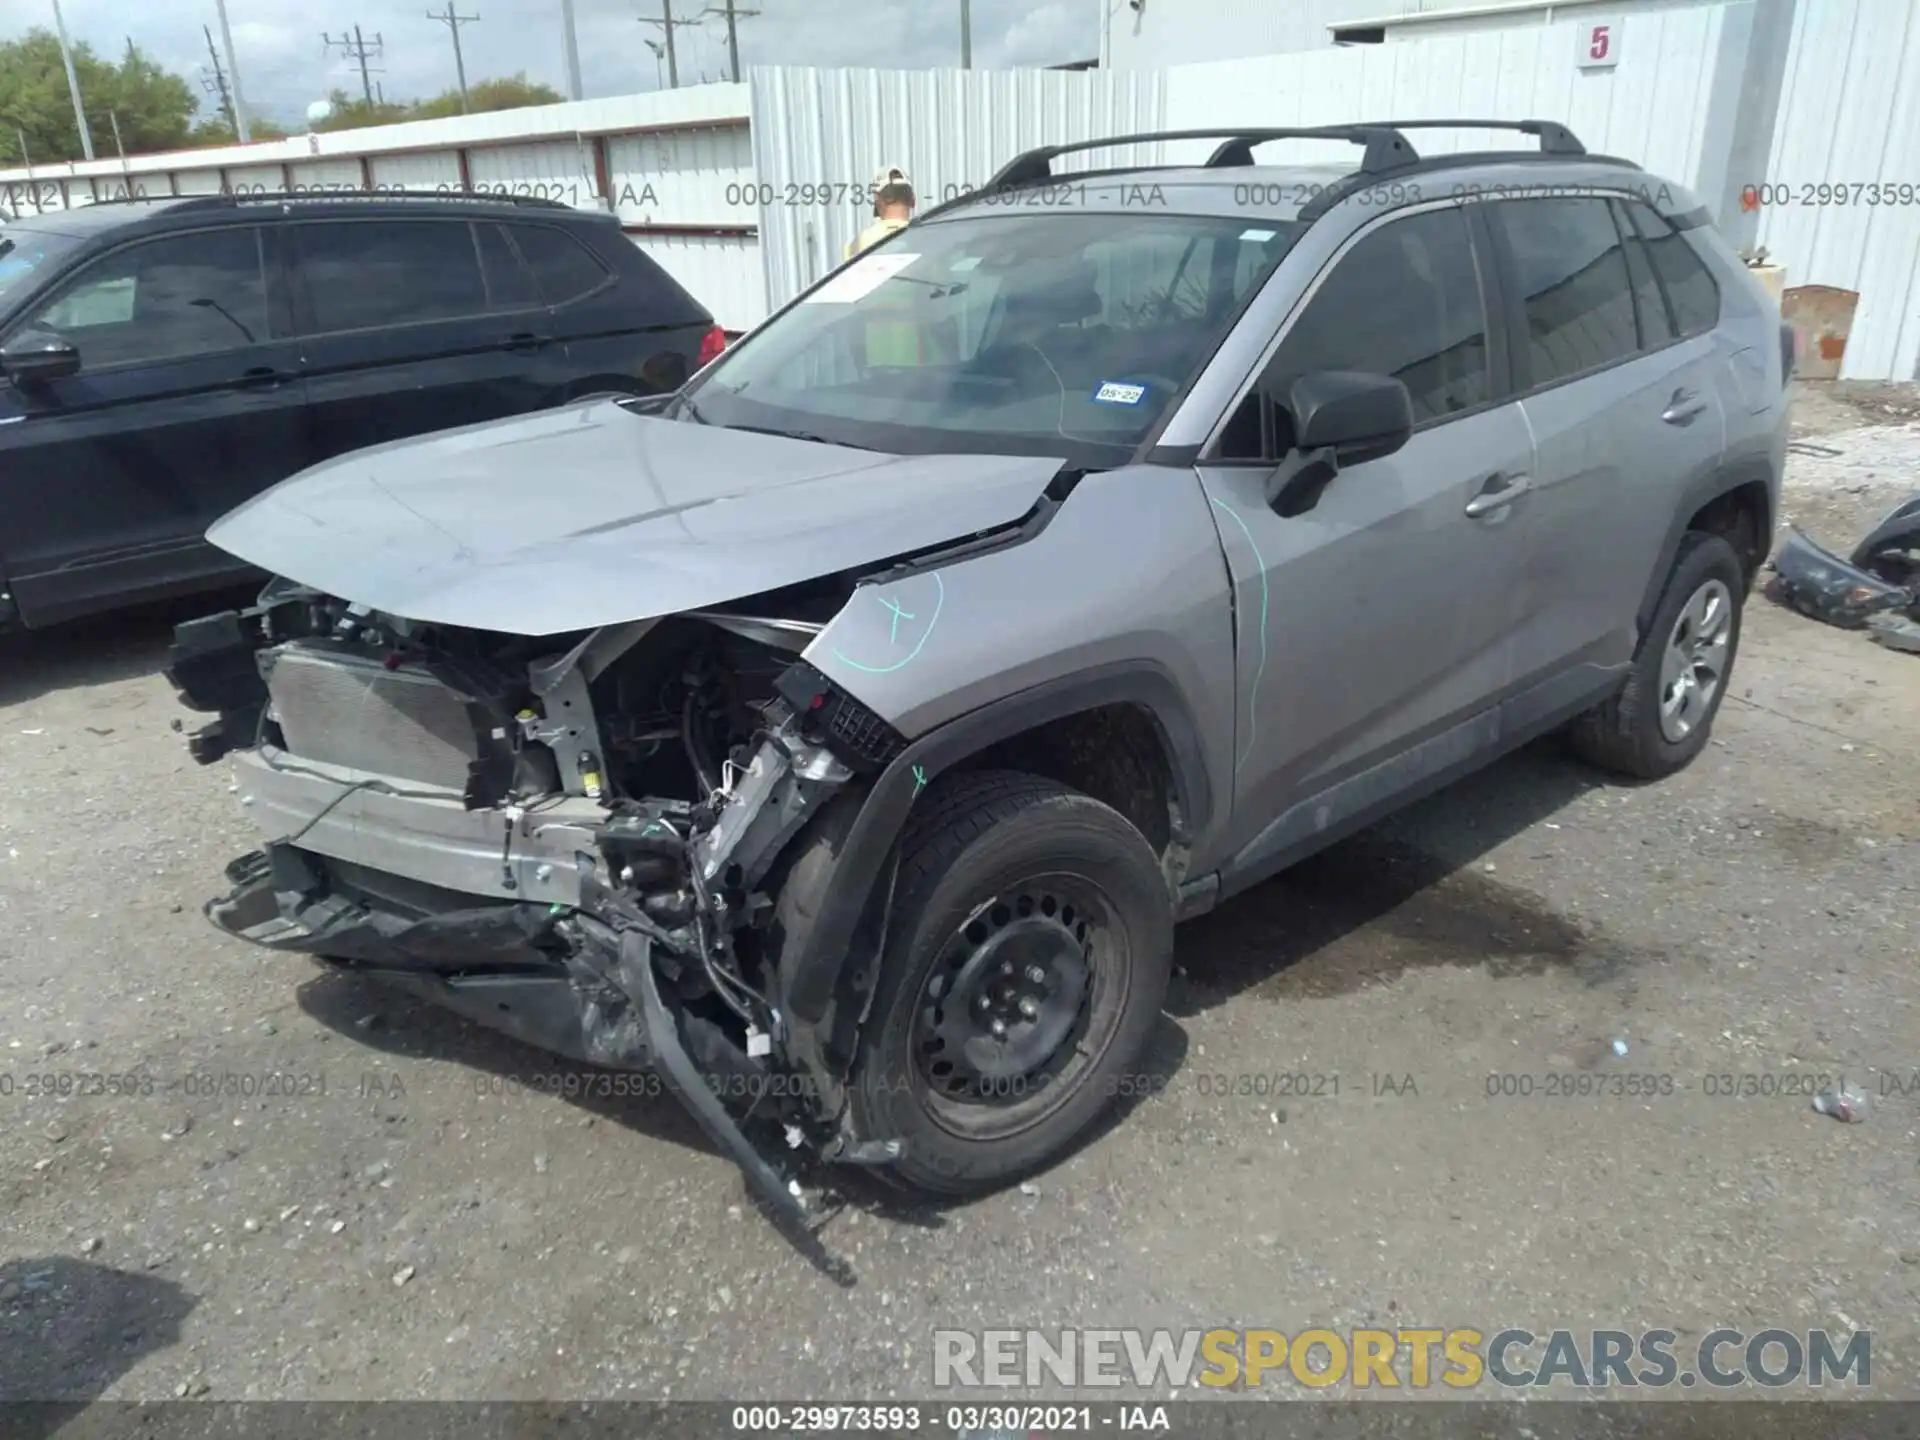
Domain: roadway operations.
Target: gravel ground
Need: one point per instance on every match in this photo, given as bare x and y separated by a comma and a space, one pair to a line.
436, 1225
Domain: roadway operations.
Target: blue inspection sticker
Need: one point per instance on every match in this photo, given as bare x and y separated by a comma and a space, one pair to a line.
1119, 392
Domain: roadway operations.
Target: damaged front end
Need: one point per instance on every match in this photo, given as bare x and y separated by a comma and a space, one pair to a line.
1847, 593
579, 840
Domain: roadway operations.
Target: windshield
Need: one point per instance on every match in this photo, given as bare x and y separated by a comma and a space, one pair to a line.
24, 256
1039, 332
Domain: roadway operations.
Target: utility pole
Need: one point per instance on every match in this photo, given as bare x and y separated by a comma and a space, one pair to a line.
359, 50
966, 35
574, 90
667, 23
216, 84
453, 22
73, 83
732, 13
239, 102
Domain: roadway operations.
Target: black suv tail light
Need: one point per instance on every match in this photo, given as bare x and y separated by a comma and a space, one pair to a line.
711, 344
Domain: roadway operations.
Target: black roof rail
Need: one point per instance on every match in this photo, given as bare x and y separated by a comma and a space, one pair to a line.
1386, 148
1555, 138
309, 197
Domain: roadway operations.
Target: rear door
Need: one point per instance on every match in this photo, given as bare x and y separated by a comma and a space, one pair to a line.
408, 329
626, 325
1625, 413
188, 401
1375, 629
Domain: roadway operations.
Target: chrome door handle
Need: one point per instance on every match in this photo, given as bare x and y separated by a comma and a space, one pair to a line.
1684, 405
1490, 500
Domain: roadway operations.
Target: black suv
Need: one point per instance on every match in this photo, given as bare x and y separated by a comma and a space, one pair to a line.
162, 361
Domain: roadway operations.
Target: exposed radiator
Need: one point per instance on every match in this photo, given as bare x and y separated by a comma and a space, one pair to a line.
343, 709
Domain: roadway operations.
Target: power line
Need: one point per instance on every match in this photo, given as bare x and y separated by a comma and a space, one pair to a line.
733, 15
667, 23
359, 50
453, 22
216, 83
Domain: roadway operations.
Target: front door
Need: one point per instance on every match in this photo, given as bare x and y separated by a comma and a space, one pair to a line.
188, 401
414, 325
1374, 629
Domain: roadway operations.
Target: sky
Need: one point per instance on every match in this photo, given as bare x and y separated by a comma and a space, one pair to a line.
284, 64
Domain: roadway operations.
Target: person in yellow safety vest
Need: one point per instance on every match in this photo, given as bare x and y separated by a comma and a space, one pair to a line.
889, 342
892, 208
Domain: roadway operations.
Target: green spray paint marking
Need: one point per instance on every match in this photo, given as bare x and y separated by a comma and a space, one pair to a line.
940, 599
893, 635
1253, 694
919, 780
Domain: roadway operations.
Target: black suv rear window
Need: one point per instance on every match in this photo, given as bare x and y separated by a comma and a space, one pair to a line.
563, 268
366, 273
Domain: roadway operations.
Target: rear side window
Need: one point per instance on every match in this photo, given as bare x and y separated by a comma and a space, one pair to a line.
563, 268
1572, 272
164, 299
1405, 302
363, 274
509, 282
1649, 301
1689, 285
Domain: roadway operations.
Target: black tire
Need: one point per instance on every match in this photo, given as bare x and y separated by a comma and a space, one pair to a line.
1624, 734
1041, 849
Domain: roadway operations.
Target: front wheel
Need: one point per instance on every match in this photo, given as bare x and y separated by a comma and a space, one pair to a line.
1663, 715
1027, 960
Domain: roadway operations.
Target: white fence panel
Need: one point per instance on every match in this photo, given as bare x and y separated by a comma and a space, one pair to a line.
1850, 120
685, 177
197, 182
549, 170
820, 135
257, 180
326, 175
1651, 108
722, 272
430, 170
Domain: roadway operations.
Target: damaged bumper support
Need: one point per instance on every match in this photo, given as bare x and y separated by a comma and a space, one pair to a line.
1822, 586
514, 917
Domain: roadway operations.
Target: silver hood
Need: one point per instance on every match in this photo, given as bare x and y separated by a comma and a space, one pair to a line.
592, 515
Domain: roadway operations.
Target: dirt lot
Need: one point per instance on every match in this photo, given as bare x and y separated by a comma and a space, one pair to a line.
434, 1225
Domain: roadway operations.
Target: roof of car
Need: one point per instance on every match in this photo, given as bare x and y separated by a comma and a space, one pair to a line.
87, 220
1291, 193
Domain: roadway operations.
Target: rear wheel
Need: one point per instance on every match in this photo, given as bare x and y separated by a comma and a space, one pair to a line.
1663, 716
1028, 956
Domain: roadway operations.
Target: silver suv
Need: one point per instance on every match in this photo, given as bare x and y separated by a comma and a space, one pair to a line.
842, 736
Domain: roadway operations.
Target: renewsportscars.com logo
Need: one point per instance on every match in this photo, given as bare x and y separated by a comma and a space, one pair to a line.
1414, 1359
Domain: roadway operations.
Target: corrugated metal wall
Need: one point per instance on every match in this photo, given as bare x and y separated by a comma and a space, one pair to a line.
685, 177
819, 134
1850, 119
723, 272
1185, 32
1652, 108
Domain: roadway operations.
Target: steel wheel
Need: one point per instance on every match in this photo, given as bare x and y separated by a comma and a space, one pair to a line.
1694, 665
1020, 1000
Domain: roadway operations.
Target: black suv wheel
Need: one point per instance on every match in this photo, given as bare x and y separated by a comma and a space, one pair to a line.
1662, 717
1028, 956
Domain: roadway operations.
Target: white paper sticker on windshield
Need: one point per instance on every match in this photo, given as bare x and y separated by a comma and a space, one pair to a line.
861, 278
968, 262
1260, 235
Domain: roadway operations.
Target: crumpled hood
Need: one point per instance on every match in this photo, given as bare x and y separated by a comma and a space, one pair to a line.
592, 515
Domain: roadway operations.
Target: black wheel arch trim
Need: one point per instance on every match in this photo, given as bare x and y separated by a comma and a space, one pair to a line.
862, 863
1703, 492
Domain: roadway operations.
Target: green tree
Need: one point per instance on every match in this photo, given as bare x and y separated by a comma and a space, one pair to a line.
510, 93
214, 130
353, 114
155, 107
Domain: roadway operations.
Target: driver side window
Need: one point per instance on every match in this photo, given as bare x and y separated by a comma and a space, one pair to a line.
164, 299
1405, 301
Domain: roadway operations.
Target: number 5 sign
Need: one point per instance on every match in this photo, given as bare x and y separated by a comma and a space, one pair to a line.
1599, 47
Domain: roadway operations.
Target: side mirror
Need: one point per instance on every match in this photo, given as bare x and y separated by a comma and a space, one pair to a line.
34, 357
1340, 417
1358, 416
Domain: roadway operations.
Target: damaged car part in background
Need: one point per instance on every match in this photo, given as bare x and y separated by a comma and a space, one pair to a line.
1877, 589
844, 737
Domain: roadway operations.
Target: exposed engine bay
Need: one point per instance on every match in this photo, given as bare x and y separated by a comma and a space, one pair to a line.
578, 839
